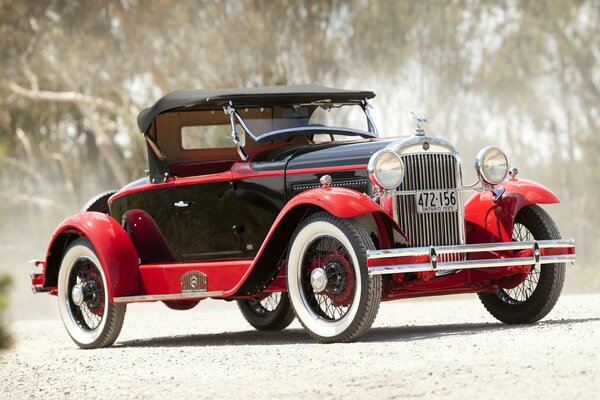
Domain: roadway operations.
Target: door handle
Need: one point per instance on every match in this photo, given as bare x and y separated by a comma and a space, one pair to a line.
182, 204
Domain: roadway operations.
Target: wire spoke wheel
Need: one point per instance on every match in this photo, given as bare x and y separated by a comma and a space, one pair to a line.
266, 305
334, 297
539, 291
87, 294
329, 254
272, 312
526, 289
89, 317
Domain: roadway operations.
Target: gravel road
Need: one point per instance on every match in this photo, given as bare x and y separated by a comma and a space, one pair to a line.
447, 347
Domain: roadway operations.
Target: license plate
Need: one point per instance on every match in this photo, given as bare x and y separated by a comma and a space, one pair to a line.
436, 201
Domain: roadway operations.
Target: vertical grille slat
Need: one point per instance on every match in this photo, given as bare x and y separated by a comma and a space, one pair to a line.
428, 172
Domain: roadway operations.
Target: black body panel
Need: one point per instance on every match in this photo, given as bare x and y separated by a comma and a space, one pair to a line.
231, 219
332, 154
259, 202
336, 154
202, 230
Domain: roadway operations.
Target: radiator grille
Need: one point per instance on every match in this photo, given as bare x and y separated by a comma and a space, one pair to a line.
429, 172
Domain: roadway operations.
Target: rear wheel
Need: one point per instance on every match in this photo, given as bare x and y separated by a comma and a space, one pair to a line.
334, 297
90, 318
272, 313
535, 297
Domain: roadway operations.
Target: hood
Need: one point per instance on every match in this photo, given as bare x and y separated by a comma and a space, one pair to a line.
335, 154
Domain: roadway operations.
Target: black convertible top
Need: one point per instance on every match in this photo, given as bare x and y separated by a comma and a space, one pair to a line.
265, 95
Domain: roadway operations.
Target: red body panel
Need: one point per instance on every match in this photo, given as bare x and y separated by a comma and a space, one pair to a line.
166, 278
341, 202
113, 247
489, 222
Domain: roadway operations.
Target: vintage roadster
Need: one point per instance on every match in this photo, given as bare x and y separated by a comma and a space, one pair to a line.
285, 199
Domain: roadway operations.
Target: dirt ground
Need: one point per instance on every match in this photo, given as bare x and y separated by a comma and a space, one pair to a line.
447, 347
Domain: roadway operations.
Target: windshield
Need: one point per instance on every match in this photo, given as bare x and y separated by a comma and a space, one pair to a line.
269, 122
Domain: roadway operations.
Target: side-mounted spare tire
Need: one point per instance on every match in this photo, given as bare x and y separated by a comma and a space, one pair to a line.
99, 203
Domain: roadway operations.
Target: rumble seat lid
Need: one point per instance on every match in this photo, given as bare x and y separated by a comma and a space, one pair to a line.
247, 96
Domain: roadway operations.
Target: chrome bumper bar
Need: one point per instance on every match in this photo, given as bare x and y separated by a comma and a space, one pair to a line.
433, 252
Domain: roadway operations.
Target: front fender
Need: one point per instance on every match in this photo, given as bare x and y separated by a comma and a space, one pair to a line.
488, 221
113, 246
341, 202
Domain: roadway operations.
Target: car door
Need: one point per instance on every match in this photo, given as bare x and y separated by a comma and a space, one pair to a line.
204, 217
195, 216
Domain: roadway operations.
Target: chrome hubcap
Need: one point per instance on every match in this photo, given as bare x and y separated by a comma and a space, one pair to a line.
77, 295
318, 280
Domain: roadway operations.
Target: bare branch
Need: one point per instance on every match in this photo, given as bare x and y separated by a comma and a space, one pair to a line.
26, 144
62, 97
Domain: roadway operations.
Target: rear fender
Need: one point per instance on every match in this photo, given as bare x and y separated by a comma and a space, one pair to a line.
341, 202
488, 221
112, 244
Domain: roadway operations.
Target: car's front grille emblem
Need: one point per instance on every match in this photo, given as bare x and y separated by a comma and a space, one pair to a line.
193, 281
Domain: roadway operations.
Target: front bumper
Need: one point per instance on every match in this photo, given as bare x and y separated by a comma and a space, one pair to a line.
484, 255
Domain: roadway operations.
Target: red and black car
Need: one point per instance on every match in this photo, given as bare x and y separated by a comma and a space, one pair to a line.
286, 200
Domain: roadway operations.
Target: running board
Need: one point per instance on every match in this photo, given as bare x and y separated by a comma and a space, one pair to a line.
167, 297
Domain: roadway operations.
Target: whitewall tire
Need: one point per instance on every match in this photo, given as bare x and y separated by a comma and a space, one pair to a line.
90, 318
334, 298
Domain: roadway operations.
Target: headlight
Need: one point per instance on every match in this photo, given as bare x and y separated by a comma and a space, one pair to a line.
386, 169
491, 165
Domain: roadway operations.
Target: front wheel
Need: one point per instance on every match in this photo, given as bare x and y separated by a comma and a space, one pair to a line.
90, 318
272, 313
533, 299
334, 297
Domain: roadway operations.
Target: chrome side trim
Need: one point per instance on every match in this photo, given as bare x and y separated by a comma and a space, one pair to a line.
166, 297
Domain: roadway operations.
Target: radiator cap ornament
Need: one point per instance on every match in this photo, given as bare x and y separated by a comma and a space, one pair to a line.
419, 131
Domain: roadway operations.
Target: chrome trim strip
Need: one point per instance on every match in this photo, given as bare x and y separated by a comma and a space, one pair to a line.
167, 297
470, 264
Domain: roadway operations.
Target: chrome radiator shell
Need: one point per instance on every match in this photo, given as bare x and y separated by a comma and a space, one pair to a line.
430, 164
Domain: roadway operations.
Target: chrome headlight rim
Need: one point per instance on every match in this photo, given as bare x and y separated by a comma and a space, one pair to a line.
372, 169
480, 166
